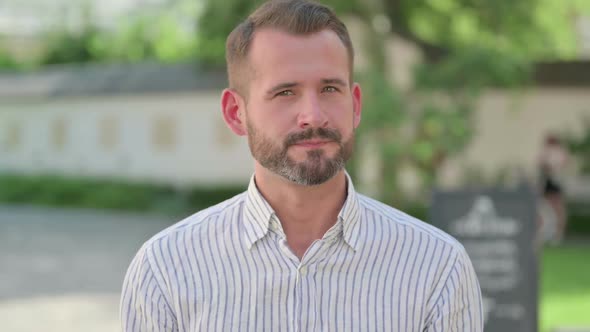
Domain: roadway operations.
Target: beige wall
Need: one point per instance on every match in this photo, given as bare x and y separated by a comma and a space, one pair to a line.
173, 138
510, 129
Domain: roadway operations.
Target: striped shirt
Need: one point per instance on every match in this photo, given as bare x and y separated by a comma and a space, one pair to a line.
228, 268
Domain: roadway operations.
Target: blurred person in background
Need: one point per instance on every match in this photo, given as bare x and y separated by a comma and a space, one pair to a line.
300, 250
553, 160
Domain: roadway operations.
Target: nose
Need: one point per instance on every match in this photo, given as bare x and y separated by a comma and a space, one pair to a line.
311, 114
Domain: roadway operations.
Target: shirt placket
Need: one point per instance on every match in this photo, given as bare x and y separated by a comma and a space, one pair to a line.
305, 306
307, 288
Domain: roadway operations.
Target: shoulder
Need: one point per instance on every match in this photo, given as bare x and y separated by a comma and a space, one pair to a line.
198, 224
397, 221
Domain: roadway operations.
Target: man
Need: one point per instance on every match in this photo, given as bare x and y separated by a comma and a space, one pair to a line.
300, 250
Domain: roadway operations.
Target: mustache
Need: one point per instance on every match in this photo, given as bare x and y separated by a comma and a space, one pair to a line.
322, 133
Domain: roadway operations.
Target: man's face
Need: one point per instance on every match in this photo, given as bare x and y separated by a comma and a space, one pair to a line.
301, 109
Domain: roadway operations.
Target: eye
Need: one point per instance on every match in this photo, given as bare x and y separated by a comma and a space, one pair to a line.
285, 93
330, 89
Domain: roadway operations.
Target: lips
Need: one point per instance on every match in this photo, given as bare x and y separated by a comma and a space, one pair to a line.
313, 137
312, 143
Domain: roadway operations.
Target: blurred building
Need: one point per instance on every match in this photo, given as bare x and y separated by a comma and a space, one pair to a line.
144, 122
163, 123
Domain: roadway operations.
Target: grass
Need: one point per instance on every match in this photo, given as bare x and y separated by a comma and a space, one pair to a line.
565, 287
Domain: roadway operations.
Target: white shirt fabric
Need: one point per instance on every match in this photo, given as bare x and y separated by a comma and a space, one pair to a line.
228, 268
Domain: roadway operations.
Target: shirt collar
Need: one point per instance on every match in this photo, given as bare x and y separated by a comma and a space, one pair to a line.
350, 215
258, 215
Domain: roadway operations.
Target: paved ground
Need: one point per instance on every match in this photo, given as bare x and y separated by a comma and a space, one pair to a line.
62, 270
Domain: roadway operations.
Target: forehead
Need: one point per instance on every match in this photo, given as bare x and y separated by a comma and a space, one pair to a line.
279, 55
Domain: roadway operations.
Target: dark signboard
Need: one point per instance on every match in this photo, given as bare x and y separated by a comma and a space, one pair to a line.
497, 228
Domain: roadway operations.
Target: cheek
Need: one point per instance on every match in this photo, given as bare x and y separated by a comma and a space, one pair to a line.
343, 119
268, 128
338, 107
276, 123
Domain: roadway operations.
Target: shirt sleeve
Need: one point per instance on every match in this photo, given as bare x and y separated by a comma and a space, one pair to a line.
459, 304
143, 306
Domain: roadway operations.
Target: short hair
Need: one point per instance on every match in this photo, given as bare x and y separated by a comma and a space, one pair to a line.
299, 17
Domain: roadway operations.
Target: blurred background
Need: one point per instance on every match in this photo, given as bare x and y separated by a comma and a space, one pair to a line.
110, 130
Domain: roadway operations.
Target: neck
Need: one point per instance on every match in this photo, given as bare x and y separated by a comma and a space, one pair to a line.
306, 212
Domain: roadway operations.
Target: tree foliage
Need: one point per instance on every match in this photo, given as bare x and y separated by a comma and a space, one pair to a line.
184, 29
532, 28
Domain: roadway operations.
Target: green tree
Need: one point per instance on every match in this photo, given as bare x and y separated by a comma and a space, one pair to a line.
535, 29
67, 46
8, 61
165, 35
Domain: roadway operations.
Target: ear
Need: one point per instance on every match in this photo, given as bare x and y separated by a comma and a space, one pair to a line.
357, 104
233, 108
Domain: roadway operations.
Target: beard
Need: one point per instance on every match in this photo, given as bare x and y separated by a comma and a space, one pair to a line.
316, 169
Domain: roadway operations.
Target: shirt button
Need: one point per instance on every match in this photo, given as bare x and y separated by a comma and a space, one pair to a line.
302, 270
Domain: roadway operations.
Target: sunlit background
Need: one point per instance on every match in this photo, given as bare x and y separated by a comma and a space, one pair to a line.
110, 130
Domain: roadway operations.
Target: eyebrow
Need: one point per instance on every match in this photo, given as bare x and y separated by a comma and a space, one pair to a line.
281, 86
288, 85
335, 81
